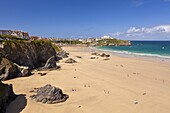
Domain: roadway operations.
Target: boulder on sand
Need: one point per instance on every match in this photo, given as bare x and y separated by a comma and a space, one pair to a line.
51, 62
93, 57
104, 55
78, 56
70, 60
49, 94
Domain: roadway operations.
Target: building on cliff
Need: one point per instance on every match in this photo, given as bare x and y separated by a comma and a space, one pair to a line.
19, 34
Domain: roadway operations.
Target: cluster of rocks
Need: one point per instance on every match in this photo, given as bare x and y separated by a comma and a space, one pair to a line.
6, 96
70, 60
49, 94
9, 70
101, 55
18, 59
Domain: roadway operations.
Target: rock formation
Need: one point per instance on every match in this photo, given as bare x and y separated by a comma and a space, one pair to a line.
17, 59
63, 54
6, 96
8, 70
70, 60
101, 55
49, 94
29, 54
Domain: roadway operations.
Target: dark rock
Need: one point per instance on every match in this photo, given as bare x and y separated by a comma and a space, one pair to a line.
26, 72
104, 55
51, 63
49, 94
93, 57
42, 74
63, 54
6, 96
8, 70
78, 56
70, 60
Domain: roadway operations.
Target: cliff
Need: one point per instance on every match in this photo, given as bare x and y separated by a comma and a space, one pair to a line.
32, 54
17, 58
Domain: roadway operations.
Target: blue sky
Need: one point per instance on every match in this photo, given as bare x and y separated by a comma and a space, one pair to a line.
125, 19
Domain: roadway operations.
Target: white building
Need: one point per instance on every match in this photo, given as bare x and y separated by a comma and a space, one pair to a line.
106, 37
18, 34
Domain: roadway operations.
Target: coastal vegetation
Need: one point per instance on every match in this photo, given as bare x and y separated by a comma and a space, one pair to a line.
10, 37
94, 42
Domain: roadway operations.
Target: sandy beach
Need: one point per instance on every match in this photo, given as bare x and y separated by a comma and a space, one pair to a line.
118, 85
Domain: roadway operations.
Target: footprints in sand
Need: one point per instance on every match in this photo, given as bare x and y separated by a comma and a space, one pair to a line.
106, 92
134, 73
86, 85
119, 65
73, 90
163, 81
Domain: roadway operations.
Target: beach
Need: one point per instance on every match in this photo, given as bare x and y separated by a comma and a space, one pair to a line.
118, 85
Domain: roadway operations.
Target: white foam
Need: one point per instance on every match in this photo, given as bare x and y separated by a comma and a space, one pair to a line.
133, 53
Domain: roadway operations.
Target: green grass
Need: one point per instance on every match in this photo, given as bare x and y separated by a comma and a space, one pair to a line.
11, 37
57, 48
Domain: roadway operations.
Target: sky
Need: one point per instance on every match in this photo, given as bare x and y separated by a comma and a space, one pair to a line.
124, 19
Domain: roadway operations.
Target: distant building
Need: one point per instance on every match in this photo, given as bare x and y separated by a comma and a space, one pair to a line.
18, 34
106, 37
34, 37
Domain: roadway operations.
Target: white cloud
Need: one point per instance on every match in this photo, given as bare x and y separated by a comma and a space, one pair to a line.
161, 32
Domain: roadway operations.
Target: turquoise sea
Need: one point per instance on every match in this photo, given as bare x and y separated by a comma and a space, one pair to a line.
142, 48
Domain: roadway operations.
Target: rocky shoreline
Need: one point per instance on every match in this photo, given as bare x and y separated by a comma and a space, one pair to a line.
18, 59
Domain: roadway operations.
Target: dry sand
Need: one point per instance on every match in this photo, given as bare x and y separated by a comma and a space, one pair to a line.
101, 86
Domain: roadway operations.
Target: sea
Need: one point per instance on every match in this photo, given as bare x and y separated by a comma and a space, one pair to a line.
159, 49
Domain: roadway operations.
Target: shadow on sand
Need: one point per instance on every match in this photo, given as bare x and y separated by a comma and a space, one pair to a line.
17, 105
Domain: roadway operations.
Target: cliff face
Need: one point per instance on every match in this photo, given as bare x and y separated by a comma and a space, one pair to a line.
6, 95
17, 58
30, 54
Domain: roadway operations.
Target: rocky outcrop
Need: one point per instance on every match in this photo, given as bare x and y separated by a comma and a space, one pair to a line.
63, 54
6, 96
49, 94
50, 64
18, 58
8, 70
30, 54
70, 60
101, 55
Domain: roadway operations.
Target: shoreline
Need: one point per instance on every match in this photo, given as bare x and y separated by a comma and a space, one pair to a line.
99, 86
134, 55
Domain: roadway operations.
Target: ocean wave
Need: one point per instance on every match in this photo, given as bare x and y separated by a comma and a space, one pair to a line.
134, 53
